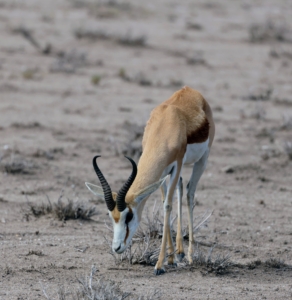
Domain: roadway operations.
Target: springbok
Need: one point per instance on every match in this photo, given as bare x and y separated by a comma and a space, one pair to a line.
180, 131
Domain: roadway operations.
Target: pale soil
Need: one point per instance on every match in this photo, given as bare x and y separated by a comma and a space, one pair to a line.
55, 122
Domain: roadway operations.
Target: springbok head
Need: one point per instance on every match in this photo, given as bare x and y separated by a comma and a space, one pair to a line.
124, 210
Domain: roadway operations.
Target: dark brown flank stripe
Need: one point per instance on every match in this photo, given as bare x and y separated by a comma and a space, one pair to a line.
200, 135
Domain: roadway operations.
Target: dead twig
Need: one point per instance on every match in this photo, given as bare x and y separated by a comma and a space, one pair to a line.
27, 34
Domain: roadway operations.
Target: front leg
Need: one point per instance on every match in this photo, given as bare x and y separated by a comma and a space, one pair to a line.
167, 205
159, 269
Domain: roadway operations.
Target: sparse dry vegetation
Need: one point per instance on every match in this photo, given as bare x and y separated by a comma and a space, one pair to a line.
145, 247
28, 35
16, 164
219, 265
270, 31
109, 9
288, 149
194, 26
129, 39
281, 53
100, 289
91, 34
259, 112
69, 62
197, 58
79, 78
61, 210
133, 147
94, 287
286, 122
259, 93
125, 39
273, 263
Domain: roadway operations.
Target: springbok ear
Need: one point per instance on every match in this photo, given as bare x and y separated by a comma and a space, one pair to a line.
141, 195
96, 190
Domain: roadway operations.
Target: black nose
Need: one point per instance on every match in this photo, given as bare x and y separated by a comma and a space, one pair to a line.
117, 249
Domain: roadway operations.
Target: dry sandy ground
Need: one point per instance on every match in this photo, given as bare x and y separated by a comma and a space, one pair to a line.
111, 62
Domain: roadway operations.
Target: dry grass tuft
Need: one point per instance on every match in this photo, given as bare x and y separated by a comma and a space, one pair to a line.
259, 93
126, 39
220, 265
62, 211
283, 101
253, 264
49, 154
35, 252
142, 251
281, 53
132, 147
196, 59
286, 123
269, 31
73, 210
193, 26
11, 162
39, 210
28, 35
100, 289
19, 166
145, 245
153, 225
129, 39
199, 222
91, 34
259, 113
68, 62
7, 270
31, 125
288, 149
108, 9
274, 263
93, 288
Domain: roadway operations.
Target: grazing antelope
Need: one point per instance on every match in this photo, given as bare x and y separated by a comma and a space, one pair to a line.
180, 131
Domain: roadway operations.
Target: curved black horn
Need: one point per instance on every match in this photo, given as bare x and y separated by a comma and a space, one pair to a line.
121, 203
108, 197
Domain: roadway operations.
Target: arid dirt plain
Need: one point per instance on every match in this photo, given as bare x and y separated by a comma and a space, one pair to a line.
79, 78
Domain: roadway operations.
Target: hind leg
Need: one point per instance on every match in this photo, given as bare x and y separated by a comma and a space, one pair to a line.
180, 254
197, 172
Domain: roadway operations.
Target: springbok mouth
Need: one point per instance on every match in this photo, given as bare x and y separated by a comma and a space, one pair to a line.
120, 249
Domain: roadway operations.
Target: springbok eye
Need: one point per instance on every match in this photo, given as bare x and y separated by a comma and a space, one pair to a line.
129, 217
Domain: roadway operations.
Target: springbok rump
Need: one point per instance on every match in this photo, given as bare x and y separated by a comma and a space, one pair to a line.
180, 131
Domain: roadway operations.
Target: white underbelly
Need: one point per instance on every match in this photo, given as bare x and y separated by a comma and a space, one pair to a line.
195, 152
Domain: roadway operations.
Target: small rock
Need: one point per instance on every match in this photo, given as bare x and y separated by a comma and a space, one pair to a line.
228, 170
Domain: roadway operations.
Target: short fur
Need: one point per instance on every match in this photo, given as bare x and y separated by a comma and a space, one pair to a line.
172, 125
179, 130
185, 118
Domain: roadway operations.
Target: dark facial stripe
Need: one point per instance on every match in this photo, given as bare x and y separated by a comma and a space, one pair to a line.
200, 135
127, 234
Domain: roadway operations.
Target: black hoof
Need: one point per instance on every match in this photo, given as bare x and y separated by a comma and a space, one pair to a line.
180, 256
172, 264
159, 271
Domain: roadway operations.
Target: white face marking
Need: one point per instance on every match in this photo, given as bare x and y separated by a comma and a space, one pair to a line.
124, 231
